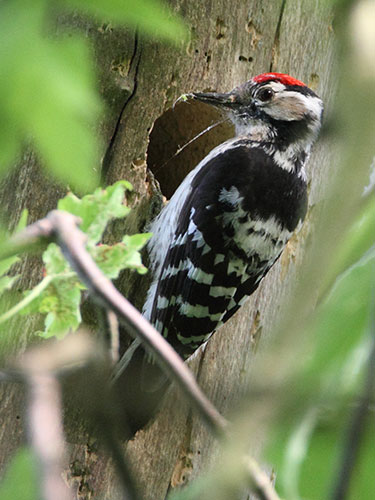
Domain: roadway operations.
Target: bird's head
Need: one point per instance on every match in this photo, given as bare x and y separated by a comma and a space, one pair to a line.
271, 106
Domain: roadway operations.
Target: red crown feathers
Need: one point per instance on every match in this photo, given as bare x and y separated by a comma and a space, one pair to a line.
279, 77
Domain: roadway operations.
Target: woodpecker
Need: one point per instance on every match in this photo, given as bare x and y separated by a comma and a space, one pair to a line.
230, 219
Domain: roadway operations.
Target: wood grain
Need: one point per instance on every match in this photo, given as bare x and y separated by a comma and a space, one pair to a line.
140, 79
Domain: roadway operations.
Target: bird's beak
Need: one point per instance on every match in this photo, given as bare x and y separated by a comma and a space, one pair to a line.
227, 101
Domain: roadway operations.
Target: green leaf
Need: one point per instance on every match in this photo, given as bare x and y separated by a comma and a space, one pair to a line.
308, 433
362, 484
58, 295
97, 209
112, 259
6, 264
61, 301
60, 110
65, 111
20, 480
54, 260
136, 241
295, 453
23, 221
342, 320
317, 470
358, 240
149, 16
6, 282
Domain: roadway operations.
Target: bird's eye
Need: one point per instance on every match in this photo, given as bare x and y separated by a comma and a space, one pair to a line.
265, 94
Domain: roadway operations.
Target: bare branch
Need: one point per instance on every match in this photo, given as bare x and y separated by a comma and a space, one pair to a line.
62, 228
33, 237
11, 376
40, 368
45, 426
71, 241
46, 434
260, 481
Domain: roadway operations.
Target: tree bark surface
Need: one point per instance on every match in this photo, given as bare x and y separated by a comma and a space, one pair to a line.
140, 80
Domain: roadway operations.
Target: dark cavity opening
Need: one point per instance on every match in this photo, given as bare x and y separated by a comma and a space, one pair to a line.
175, 128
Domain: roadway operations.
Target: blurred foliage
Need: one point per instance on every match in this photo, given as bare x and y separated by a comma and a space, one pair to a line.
6, 282
58, 295
48, 96
305, 446
152, 17
358, 240
48, 91
20, 481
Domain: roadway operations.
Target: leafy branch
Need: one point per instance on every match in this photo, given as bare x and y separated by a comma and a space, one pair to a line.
58, 295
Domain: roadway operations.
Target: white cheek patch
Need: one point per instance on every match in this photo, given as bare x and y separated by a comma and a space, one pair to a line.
286, 107
314, 107
291, 105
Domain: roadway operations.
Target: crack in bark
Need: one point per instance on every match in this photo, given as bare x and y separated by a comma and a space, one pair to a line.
276, 41
135, 58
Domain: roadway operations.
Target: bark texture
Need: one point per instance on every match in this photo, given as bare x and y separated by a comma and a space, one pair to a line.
140, 79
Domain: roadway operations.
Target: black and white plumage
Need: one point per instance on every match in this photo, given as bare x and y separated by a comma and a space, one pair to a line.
232, 216
230, 219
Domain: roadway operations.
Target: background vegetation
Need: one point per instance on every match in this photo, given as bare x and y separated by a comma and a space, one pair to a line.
315, 383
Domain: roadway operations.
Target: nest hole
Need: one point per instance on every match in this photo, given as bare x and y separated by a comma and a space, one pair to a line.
172, 131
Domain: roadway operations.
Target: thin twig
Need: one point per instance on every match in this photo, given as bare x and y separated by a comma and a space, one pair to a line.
35, 292
33, 237
115, 336
260, 481
120, 461
108, 328
125, 360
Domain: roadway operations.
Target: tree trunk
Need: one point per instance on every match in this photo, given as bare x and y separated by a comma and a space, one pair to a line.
140, 80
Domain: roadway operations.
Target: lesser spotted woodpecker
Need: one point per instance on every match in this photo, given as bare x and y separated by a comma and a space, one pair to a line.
230, 219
